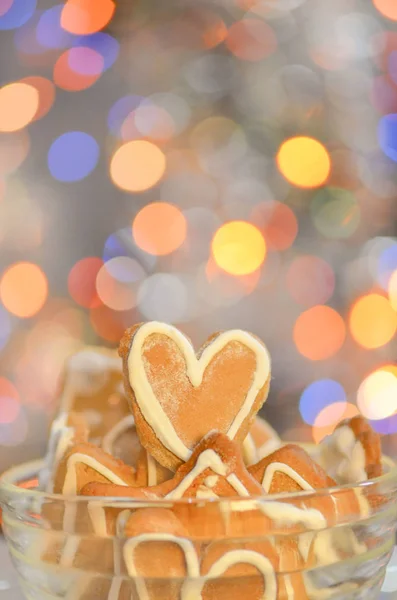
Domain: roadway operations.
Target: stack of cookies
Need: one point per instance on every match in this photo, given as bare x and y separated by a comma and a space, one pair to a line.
205, 502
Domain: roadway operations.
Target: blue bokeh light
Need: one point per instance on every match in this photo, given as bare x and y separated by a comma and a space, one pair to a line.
317, 396
49, 32
385, 426
104, 44
387, 264
25, 38
120, 111
18, 14
121, 243
387, 135
73, 156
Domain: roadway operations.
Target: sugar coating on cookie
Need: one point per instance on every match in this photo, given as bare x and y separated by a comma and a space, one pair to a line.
173, 391
352, 453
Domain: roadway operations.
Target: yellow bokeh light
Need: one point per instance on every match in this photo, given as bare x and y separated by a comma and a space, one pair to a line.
23, 289
137, 166
393, 290
238, 248
388, 8
304, 162
159, 228
372, 321
377, 395
19, 103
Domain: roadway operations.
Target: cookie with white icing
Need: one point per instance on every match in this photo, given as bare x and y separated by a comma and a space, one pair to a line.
177, 396
85, 463
352, 453
260, 442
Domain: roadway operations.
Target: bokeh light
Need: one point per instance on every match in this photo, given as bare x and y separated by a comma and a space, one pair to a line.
330, 417
118, 281
238, 248
377, 395
335, 213
387, 265
23, 289
310, 280
49, 32
277, 223
372, 321
16, 13
19, 103
137, 166
120, 111
319, 332
387, 135
82, 281
163, 297
392, 288
5, 6
9, 409
159, 228
251, 39
101, 44
304, 162
318, 395
83, 17
73, 156
388, 8
91, 66
46, 94
106, 324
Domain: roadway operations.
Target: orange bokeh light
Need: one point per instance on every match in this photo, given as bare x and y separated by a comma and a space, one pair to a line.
388, 8
18, 106
72, 81
278, 224
319, 332
84, 17
251, 39
214, 34
8, 389
310, 280
23, 289
159, 228
105, 323
82, 281
304, 162
238, 248
372, 321
328, 419
46, 91
137, 166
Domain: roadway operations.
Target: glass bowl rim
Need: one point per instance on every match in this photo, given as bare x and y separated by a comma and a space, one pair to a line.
11, 477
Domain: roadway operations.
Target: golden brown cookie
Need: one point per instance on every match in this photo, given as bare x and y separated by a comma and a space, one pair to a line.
178, 396
149, 472
85, 463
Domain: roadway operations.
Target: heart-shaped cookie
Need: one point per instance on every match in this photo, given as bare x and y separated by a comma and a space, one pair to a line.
177, 397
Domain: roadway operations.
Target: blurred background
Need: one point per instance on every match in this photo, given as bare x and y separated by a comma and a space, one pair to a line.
214, 164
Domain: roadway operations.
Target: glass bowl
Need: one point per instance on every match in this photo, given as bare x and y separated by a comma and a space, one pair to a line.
326, 544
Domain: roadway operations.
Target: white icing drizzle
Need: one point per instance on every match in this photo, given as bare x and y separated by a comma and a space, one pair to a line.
192, 590
111, 436
69, 550
249, 451
149, 405
282, 513
211, 480
208, 459
70, 483
115, 587
237, 485
289, 588
278, 467
191, 558
343, 456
